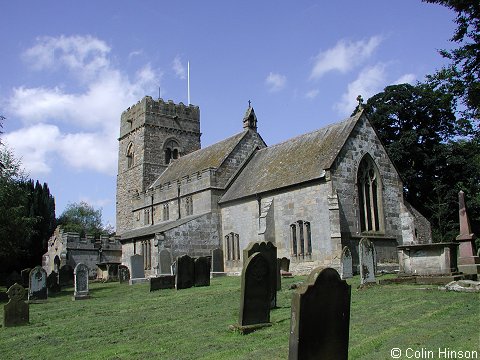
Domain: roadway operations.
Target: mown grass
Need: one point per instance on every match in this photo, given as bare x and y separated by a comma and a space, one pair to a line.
129, 322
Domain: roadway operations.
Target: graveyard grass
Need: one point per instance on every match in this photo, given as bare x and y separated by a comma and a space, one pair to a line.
129, 322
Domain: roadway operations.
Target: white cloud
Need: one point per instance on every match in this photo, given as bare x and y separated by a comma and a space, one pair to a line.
312, 94
344, 56
275, 82
405, 79
85, 122
370, 81
178, 67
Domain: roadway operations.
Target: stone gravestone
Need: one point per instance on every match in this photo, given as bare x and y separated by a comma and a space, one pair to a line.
320, 318
366, 254
162, 282
123, 274
217, 261
137, 270
269, 250
279, 276
25, 274
185, 272
37, 289
16, 311
255, 294
165, 262
53, 284
65, 275
202, 271
285, 264
81, 282
346, 265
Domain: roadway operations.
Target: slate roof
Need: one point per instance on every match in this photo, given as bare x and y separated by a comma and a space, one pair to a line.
209, 157
150, 230
294, 161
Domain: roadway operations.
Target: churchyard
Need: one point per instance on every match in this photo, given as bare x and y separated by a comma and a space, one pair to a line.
120, 321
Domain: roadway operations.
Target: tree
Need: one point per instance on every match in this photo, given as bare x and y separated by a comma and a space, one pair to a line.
83, 219
461, 77
418, 126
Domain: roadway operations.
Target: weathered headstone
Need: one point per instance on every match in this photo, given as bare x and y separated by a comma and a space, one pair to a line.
185, 276
346, 264
269, 250
285, 264
162, 282
173, 268
25, 274
123, 274
202, 271
279, 276
217, 261
366, 254
320, 318
66, 275
137, 270
255, 293
53, 284
165, 262
81, 282
37, 289
16, 311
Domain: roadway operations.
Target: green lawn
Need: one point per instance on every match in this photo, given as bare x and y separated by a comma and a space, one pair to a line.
129, 322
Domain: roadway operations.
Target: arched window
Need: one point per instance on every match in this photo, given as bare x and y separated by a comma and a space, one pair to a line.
166, 212
369, 196
301, 239
130, 156
172, 152
232, 246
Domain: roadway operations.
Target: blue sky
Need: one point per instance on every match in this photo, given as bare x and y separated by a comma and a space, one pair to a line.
68, 70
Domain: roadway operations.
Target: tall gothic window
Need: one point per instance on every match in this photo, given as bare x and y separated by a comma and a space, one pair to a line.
147, 254
188, 205
171, 151
232, 246
369, 196
130, 157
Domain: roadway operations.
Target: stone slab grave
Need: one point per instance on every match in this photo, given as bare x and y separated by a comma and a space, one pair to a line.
165, 262
37, 289
346, 264
16, 312
80, 282
366, 254
137, 270
185, 272
320, 317
255, 298
202, 271
269, 250
123, 274
218, 268
162, 282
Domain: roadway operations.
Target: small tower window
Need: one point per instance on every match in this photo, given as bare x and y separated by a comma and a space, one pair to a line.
188, 206
166, 212
171, 151
130, 156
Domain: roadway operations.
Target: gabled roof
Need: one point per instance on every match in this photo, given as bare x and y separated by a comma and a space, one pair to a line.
210, 157
298, 160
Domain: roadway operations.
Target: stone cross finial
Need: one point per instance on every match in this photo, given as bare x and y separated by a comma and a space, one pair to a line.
360, 102
249, 104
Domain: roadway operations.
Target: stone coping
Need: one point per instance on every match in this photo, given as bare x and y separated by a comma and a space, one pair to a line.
427, 246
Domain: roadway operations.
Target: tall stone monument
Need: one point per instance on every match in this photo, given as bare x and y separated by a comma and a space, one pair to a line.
468, 262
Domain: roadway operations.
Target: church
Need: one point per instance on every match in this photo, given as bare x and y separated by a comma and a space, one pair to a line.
311, 195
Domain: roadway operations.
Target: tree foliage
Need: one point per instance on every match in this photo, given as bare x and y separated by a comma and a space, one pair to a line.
421, 134
461, 77
83, 219
27, 216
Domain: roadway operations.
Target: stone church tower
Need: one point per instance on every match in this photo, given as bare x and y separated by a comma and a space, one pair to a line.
153, 133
